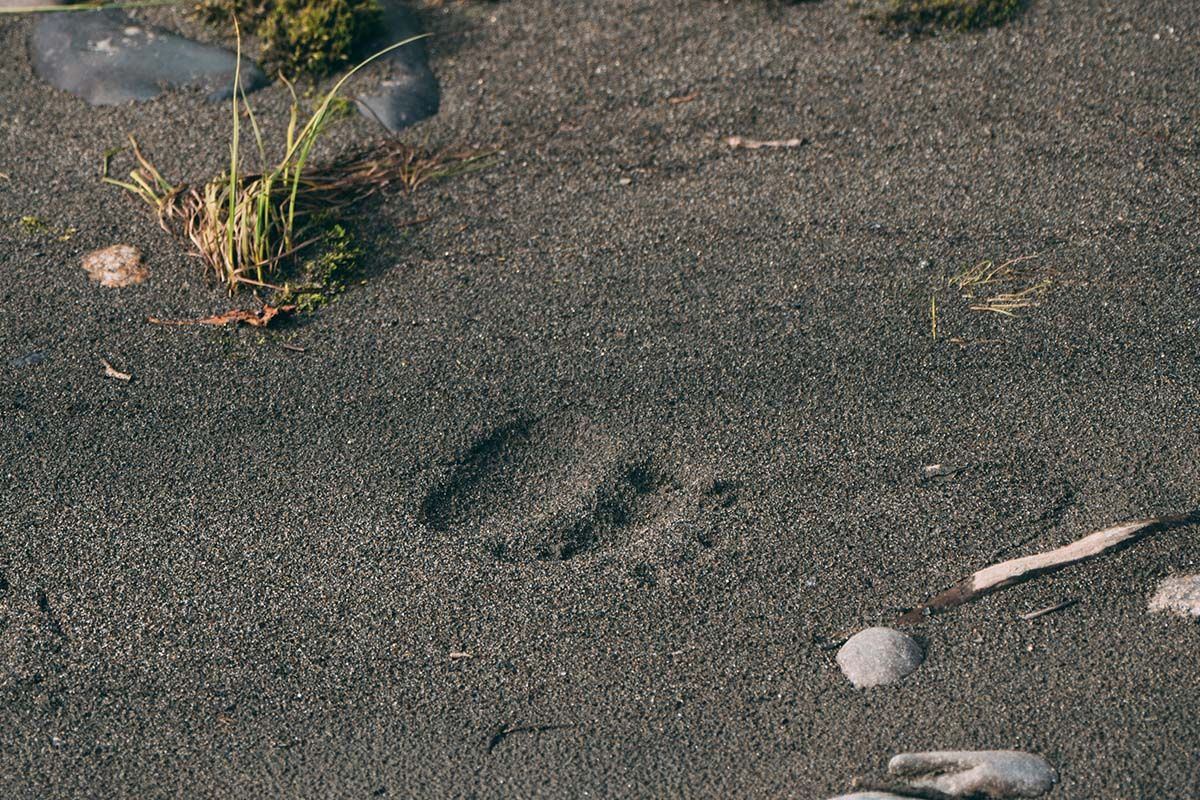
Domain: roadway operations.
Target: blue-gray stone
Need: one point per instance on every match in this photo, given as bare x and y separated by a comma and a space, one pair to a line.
408, 91
27, 360
108, 58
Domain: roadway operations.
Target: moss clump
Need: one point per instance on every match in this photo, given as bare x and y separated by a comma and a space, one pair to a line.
324, 277
927, 16
32, 225
315, 37
217, 13
301, 37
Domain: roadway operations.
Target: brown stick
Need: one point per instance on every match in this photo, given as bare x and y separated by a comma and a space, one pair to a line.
1017, 570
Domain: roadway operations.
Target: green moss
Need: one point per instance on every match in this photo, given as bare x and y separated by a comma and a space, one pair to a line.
249, 13
315, 37
324, 277
927, 16
32, 225
301, 37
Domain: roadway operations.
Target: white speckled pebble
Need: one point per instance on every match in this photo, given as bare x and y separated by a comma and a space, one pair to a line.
1178, 594
879, 656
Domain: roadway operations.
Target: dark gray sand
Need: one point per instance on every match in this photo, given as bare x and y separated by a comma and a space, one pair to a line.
705, 376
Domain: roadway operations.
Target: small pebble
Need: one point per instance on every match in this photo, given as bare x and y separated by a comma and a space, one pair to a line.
116, 266
879, 656
996, 774
870, 796
1178, 594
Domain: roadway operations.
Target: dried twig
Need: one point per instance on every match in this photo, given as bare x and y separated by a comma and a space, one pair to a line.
1041, 612
744, 143
255, 319
1018, 570
112, 372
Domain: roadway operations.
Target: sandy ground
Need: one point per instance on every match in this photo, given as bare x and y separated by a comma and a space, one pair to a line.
634, 422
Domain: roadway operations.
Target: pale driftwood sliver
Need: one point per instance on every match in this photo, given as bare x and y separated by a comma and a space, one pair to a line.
1017, 570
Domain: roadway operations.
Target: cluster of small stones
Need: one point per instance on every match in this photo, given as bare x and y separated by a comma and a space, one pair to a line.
883, 656
106, 57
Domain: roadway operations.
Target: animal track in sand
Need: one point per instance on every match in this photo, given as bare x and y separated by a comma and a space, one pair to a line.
477, 476
554, 491
637, 497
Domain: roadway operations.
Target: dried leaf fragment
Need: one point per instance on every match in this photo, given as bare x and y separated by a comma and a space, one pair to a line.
255, 319
744, 143
116, 266
112, 372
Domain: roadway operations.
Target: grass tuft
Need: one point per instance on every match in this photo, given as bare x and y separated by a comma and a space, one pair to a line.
259, 228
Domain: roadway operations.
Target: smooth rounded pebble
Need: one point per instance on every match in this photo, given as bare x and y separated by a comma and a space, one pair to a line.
408, 92
1178, 594
997, 774
108, 58
879, 656
116, 266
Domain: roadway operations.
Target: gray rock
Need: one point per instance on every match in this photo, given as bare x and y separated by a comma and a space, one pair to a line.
879, 656
108, 58
996, 774
1178, 594
870, 796
408, 91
